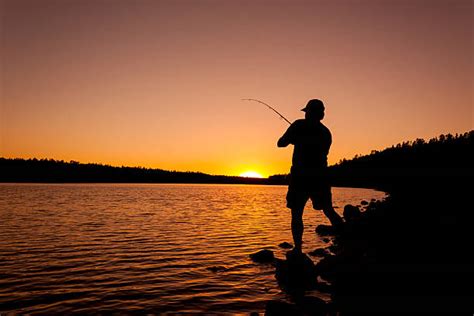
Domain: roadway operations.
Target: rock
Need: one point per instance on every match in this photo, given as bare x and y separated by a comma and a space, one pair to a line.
325, 230
351, 213
297, 273
364, 202
320, 252
285, 245
307, 305
311, 305
281, 308
324, 287
335, 248
327, 268
263, 256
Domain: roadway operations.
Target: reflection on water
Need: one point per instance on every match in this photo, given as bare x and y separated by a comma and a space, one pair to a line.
145, 247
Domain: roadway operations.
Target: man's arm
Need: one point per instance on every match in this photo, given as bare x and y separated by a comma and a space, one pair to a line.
287, 138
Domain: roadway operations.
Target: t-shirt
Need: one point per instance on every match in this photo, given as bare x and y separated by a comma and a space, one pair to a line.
312, 141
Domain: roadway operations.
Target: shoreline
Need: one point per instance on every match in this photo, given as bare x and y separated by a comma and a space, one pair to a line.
410, 253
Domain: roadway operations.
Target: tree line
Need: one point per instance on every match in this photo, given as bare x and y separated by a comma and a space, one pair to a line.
445, 155
60, 171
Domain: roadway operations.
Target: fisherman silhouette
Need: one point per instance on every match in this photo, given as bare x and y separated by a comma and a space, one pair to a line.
309, 175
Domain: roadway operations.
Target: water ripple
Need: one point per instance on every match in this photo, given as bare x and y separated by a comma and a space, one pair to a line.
100, 248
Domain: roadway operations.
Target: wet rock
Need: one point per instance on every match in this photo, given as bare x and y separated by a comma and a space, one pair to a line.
297, 273
336, 248
277, 308
325, 230
351, 213
364, 202
263, 256
320, 252
285, 245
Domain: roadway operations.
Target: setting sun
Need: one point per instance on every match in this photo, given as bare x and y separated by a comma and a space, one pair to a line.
251, 174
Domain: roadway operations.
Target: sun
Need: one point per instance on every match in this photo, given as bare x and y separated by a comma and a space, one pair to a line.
251, 174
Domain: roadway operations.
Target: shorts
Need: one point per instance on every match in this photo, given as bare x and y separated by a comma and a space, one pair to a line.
302, 188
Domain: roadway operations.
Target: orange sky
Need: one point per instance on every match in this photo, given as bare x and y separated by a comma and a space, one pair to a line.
159, 83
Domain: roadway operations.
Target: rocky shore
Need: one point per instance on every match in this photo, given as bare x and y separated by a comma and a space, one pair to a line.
409, 254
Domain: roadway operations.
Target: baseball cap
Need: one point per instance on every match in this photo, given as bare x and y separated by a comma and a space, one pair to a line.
313, 105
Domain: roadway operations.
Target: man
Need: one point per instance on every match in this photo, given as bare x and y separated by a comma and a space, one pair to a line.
308, 178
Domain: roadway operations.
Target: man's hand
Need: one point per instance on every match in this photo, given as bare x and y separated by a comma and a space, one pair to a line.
283, 142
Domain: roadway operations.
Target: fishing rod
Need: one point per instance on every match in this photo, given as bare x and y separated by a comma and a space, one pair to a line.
270, 107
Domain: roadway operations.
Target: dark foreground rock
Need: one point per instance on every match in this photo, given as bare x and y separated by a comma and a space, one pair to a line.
306, 305
285, 245
351, 213
392, 255
327, 230
297, 273
279, 308
320, 252
263, 256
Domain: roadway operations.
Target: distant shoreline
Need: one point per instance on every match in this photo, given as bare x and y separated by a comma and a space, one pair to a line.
18, 170
177, 183
446, 155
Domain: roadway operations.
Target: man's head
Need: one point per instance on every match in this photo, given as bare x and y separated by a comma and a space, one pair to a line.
314, 110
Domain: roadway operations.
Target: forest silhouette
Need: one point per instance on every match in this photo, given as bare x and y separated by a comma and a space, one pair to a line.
445, 154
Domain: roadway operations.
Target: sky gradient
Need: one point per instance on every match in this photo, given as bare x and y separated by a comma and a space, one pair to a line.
159, 83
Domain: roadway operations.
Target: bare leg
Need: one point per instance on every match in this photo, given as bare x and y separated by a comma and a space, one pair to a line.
297, 228
333, 217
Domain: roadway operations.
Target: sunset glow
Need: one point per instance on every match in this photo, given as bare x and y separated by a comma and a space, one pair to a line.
160, 84
251, 174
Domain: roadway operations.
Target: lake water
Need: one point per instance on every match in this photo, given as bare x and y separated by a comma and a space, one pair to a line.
149, 248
